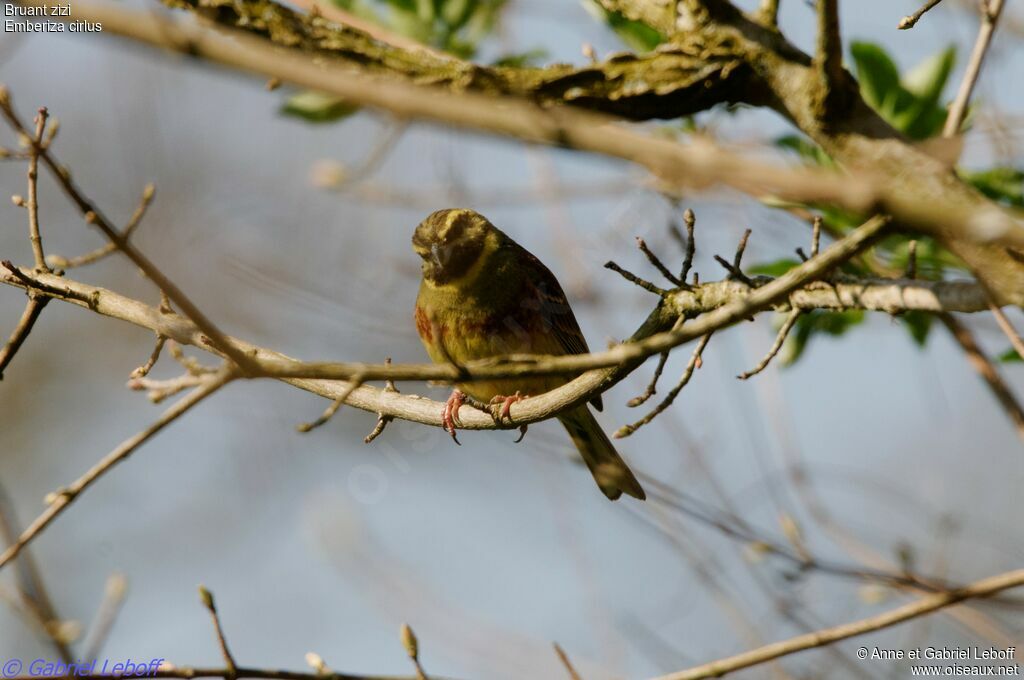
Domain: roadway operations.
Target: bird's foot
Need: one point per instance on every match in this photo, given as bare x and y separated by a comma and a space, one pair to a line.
450, 414
522, 433
506, 403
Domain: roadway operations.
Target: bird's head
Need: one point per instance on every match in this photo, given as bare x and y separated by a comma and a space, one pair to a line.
451, 241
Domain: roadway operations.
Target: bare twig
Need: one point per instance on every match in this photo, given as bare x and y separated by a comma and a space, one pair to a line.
691, 246
106, 615
33, 187
382, 419
229, 661
159, 390
911, 20
96, 218
143, 370
658, 264
911, 272
958, 110
412, 649
787, 326
32, 591
99, 253
653, 384
33, 308
564, 658
1008, 330
60, 500
634, 279
920, 607
329, 412
986, 369
691, 365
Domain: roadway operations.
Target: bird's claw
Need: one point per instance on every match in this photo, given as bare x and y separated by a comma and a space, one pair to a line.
522, 433
450, 414
506, 403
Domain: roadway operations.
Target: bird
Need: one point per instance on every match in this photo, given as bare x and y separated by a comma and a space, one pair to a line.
483, 295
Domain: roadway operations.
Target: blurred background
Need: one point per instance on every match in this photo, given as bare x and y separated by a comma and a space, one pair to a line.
295, 235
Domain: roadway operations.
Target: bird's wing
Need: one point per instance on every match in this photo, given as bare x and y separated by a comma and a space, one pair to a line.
544, 291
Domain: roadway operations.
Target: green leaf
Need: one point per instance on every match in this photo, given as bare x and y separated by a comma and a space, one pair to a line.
1010, 356
924, 117
817, 323
317, 107
806, 149
927, 80
1002, 184
879, 78
777, 268
918, 324
635, 34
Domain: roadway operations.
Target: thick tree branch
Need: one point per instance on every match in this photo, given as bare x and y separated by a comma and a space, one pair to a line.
887, 174
692, 73
920, 607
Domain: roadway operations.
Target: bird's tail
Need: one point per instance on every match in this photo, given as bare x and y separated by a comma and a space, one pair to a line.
610, 472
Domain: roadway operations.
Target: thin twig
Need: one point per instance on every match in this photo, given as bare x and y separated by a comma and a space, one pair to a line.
958, 110
564, 658
329, 412
658, 264
32, 590
412, 649
106, 615
920, 607
33, 190
33, 308
780, 338
633, 278
382, 419
692, 364
1008, 330
229, 661
911, 272
143, 370
99, 253
816, 235
60, 500
986, 369
653, 384
911, 20
95, 217
691, 245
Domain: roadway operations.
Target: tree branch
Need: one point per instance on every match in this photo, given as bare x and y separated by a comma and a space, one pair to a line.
718, 309
958, 110
920, 607
861, 192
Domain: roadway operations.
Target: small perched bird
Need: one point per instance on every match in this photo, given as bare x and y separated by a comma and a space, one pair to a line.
484, 295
